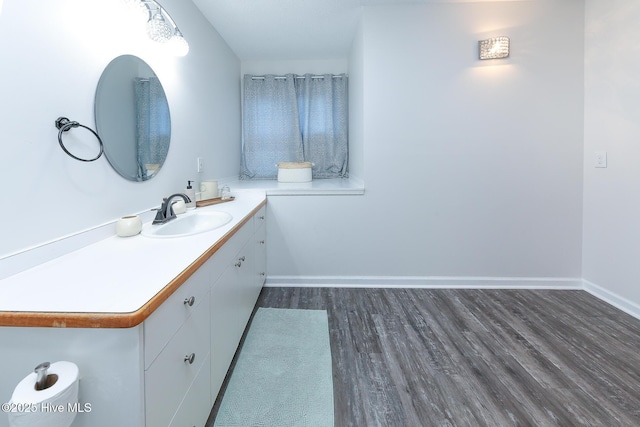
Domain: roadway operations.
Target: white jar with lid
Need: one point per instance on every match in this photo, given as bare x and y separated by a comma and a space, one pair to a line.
128, 226
294, 171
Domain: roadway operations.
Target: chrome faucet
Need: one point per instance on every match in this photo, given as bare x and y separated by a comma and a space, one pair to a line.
165, 212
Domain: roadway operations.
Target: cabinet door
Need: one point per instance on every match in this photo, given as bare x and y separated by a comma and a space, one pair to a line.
172, 372
229, 315
233, 298
196, 406
261, 257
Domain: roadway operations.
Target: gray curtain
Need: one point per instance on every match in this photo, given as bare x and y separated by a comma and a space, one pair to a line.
322, 106
153, 131
291, 119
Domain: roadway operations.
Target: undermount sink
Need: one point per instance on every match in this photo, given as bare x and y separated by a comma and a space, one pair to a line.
188, 224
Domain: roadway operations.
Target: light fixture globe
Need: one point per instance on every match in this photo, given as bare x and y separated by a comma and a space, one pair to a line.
138, 8
132, 4
158, 30
179, 45
161, 27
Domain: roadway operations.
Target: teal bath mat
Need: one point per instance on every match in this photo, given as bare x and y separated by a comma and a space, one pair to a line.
283, 375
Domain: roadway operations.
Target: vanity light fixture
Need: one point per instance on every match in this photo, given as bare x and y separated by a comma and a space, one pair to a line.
494, 48
161, 28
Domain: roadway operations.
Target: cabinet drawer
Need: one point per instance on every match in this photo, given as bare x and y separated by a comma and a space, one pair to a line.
196, 406
260, 218
170, 375
228, 252
169, 317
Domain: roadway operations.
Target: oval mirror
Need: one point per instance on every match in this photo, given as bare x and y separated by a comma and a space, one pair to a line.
132, 118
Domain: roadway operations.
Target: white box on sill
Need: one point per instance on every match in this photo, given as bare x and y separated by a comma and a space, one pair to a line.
294, 171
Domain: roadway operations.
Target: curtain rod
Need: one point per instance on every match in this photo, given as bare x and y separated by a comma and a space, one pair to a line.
296, 77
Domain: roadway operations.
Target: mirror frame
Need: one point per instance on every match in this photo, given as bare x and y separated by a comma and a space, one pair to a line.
133, 118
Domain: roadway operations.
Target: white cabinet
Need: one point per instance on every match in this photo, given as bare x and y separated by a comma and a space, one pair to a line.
163, 323
190, 413
204, 319
110, 362
166, 371
226, 321
170, 376
260, 239
233, 298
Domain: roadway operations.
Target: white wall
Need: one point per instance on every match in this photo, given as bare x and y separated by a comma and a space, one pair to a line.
53, 54
472, 168
296, 66
612, 112
356, 105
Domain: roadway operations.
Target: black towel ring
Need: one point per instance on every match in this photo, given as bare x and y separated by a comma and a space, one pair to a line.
64, 125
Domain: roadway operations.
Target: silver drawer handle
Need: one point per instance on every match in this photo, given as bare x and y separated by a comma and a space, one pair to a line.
238, 264
190, 301
190, 358
242, 258
262, 217
263, 274
261, 242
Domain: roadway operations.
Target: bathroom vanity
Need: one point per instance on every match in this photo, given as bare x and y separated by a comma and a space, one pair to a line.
152, 324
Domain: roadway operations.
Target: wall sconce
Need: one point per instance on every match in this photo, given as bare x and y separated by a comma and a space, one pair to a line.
494, 48
161, 28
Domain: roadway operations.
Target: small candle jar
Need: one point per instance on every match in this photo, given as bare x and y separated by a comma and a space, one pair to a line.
179, 207
128, 226
225, 193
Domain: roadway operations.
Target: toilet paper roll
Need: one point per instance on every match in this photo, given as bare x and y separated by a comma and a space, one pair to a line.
55, 406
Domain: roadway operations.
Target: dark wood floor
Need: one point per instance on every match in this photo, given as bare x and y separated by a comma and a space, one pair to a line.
417, 357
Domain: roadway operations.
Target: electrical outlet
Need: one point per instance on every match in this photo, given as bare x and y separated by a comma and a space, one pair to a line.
200, 164
601, 159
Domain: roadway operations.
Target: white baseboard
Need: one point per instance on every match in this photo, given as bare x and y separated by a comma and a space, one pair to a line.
609, 297
452, 282
432, 282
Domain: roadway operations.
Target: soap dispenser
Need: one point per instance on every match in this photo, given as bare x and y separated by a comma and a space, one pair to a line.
191, 194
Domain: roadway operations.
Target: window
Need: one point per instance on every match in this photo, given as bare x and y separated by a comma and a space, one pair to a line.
292, 119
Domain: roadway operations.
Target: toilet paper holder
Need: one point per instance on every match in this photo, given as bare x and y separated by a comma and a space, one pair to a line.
59, 384
43, 380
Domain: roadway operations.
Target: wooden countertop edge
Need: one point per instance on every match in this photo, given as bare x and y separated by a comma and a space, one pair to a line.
118, 320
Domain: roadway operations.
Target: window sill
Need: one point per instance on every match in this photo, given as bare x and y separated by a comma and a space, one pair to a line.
317, 187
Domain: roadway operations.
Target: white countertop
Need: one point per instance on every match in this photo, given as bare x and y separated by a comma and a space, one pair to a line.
115, 275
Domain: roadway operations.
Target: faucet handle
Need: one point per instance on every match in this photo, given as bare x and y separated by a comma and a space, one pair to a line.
170, 213
159, 216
